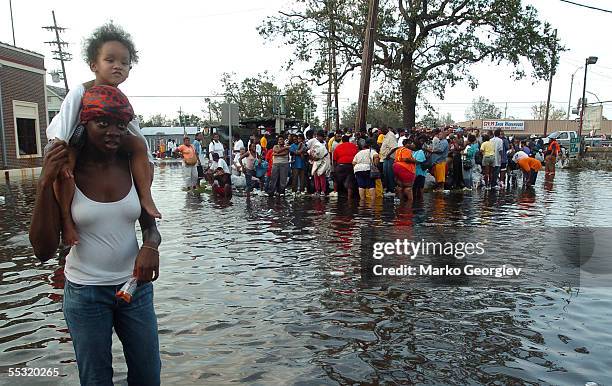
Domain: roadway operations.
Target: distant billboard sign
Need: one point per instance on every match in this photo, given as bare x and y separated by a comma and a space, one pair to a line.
592, 119
504, 125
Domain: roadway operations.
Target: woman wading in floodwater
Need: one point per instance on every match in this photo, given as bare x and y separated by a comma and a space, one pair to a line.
105, 208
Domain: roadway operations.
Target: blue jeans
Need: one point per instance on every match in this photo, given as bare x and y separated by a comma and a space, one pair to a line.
495, 178
248, 175
389, 177
92, 312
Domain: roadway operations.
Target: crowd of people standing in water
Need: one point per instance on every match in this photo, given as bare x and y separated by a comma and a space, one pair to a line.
368, 164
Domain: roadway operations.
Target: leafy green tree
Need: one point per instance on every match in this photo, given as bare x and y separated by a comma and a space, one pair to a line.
258, 96
381, 112
482, 108
298, 96
157, 120
420, 46
430, 120
255, 96
539, 112
447, 120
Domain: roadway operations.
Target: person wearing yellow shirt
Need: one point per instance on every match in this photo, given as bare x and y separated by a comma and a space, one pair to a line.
264, 141
488, 159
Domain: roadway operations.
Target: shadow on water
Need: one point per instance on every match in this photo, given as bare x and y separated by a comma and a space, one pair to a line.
265, 290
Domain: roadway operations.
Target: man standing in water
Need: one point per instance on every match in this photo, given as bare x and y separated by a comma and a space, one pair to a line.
439, 153
190, 161
551, 156
215, 146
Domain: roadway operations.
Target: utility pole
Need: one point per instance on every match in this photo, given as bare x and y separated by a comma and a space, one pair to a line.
12, 25
328, 114
60, 55
506, 111
553, 65
366, 66
332, 34
181, 121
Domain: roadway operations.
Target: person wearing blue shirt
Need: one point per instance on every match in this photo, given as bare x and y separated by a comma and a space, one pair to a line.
197, 145
419, 155
439, 153
297, 149
470, 158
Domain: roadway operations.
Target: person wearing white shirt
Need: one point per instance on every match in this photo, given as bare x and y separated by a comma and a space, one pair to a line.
170, 147
236, 165
238, 144
499, 148
215, 147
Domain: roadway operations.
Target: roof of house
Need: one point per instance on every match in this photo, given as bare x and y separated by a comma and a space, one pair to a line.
176, 130
10, 46
60, 92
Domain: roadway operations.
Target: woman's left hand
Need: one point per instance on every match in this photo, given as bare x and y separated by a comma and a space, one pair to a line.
146, 268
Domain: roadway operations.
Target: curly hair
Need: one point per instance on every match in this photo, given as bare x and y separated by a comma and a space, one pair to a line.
108, 33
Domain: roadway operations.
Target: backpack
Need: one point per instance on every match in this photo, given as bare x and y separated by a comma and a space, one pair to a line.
261, 167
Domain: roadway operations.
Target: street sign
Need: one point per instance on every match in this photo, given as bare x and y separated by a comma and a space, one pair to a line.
229, 110
574, 147
592, 118
229, 117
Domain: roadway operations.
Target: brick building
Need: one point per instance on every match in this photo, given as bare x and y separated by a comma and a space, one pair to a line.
23, 108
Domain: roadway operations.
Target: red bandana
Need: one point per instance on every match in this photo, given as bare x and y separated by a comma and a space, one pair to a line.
106, 101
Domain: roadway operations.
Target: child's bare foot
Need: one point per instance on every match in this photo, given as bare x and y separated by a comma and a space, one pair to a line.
149, 206
69, 233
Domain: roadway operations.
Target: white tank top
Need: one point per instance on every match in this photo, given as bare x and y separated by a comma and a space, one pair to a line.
107, 246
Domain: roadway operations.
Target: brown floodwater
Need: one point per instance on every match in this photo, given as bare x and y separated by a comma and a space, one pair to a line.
248, 293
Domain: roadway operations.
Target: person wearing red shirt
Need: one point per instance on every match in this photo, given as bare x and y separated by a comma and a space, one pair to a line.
343, 165
269, 157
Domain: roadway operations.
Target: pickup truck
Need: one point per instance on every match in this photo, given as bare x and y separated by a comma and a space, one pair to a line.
563, 137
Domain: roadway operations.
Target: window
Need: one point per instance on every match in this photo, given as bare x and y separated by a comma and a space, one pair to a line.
27, 130
26, 136
563, 135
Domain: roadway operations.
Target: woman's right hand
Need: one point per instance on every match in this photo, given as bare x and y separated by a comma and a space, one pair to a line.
55, 158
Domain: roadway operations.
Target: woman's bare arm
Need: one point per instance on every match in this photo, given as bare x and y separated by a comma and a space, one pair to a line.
146, 267
45, 227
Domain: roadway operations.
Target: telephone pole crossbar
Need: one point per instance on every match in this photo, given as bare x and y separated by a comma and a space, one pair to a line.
60, 54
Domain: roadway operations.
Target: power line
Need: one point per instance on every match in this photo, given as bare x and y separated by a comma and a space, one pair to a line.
587, 6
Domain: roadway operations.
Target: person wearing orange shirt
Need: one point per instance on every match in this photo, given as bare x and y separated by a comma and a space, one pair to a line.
530, 167
404, 169
264, 141
190, 160
551, 156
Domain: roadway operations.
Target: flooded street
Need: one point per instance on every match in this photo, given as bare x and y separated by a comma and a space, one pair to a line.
247, 294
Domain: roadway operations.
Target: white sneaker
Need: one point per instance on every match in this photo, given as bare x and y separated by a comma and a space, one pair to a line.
333, 194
